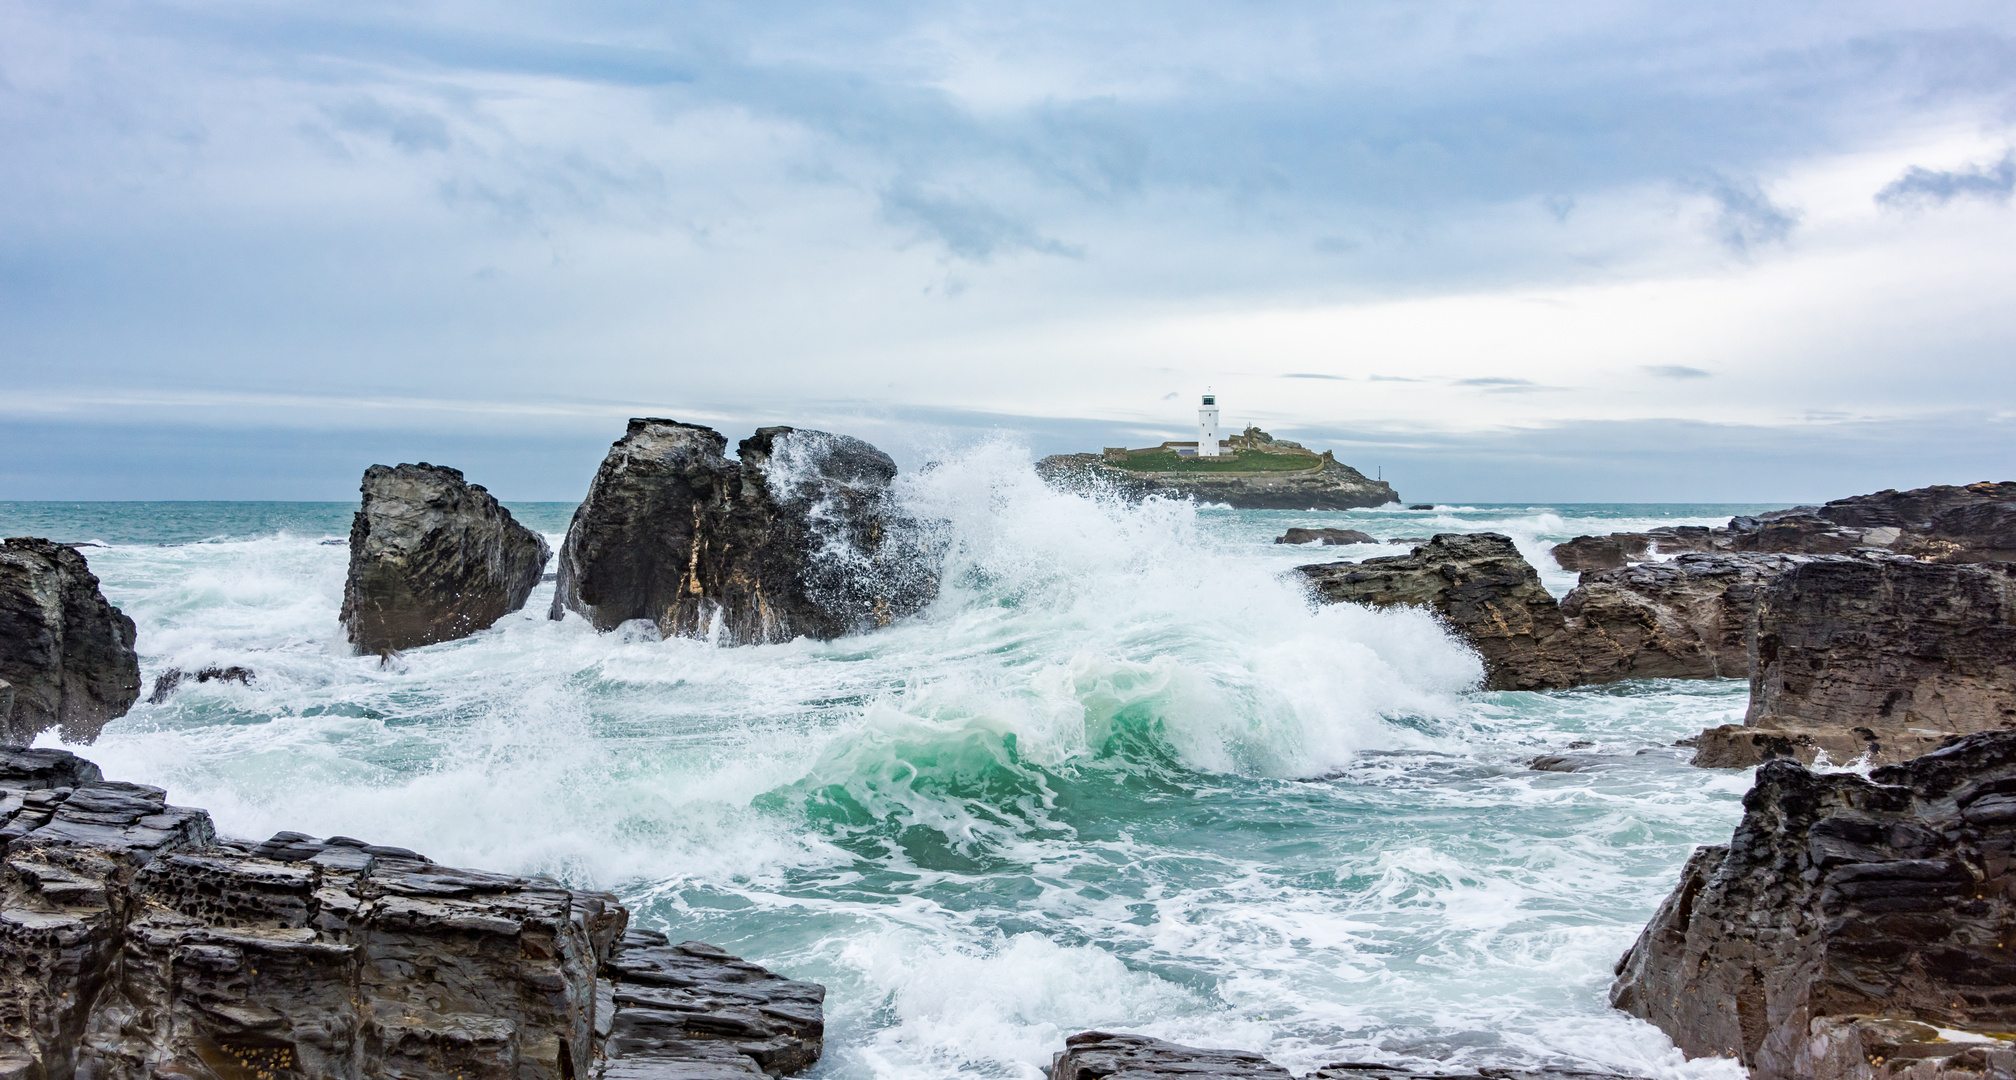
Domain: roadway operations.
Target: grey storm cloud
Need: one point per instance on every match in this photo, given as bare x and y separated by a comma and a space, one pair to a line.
1920, 186
1674, 371
968, 227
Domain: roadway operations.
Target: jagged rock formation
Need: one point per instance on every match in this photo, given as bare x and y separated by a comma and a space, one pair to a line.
1481, 586
1102, 1055
1884, 655
1943, 523
66, 653
1327, 537
134, 945
1687, 618
802, 537
433, 558
1326, 484
1843, 917
166, 683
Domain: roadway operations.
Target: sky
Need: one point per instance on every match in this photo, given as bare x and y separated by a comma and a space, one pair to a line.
1574, 252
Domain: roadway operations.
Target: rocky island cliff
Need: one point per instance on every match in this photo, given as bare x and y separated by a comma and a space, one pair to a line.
1259, 472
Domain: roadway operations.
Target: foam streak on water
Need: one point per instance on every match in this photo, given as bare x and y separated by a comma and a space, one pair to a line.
1122, 773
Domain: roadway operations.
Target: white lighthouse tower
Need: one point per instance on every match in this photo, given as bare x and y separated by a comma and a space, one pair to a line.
1207, 427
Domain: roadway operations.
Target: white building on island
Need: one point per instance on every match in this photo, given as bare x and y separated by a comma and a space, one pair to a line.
1207, 427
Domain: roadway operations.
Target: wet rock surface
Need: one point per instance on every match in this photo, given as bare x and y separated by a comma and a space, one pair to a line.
1883, 656
166, 683
135, 944
801, 537
432, 558
1686, 618
1844, 916
1100, 1055
65, 652
1326, 537
1601, 552
1481, 586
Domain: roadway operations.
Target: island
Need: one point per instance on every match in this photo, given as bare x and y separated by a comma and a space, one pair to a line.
1249, 471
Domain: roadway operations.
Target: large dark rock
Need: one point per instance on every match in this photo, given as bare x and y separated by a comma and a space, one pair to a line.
1601, 552
433, 558
134, 945
1883, 656
1481, 586
66, 653
801, 538
1843, 917
1685, 618
1327, 537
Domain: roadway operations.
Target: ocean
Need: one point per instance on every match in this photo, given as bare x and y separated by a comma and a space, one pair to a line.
1121, 774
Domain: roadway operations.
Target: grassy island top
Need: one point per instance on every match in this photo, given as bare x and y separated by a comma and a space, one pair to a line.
1161, 460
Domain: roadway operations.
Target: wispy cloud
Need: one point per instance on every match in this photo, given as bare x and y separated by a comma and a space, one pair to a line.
1674, 371
1313, 375
1745, 216
1919, 186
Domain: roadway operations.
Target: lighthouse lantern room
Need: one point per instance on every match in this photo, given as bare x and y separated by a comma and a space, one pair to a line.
1207, 427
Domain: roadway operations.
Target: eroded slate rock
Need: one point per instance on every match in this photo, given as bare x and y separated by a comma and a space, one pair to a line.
1884, 656
801, 537
66, 653
1686, 618
1327, 537
1481, 586
433, 558
1093, 1055
1841, 899
134, 945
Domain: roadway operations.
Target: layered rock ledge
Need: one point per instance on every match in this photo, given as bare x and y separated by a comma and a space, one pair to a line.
1846, 923
802, 537
136, 945
433, 558
1942, 523
1883, 657
66, 654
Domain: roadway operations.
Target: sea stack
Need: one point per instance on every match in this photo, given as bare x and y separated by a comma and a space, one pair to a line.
433, 558
802, 537
66, 655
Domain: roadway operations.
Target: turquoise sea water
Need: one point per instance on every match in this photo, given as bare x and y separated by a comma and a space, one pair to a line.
1121, 774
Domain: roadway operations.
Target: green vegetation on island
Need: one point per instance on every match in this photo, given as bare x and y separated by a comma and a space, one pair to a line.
1161, 460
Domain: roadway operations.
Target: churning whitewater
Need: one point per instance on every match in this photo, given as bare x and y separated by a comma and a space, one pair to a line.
1122, 773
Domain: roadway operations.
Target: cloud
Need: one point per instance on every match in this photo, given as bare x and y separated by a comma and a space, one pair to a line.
1313, 375
969, 228
1745, 217
1674, 371
1503, 385
1391, 378
1920, 187
410, 130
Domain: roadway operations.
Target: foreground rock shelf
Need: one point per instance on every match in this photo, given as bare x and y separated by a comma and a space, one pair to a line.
1103, 1055
1846, 923
136, 944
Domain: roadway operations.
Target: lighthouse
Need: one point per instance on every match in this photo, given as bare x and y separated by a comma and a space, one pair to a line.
1207, 427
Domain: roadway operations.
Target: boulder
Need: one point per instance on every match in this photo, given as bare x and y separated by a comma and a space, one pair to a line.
66, 653
802, 537
432, 558
166, 683
1685, 618
1601, 552
1481, 586
1326, 537
1884, 656
1846, 918
136, 945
